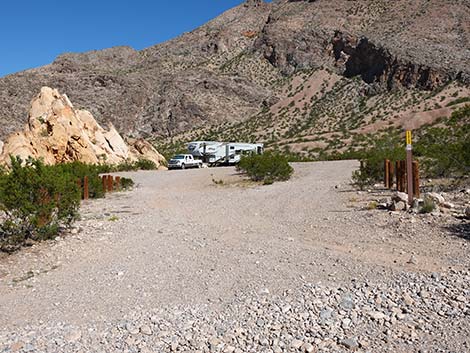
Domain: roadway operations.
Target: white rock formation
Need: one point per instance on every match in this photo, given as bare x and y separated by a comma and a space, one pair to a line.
57, 133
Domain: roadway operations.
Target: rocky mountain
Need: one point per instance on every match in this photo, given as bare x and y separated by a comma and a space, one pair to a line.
57, 132
320, 71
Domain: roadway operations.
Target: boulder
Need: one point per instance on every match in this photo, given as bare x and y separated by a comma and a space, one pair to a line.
400, 196
434, 196
58, 133
467, 211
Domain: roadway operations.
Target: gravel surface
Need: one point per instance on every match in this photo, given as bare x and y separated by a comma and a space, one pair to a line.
183, 264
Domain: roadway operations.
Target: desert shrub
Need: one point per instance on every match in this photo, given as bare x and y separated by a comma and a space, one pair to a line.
428, 206
268, 167
36, 201
126, 183
127, 165
145, 164
372, 160
79, 170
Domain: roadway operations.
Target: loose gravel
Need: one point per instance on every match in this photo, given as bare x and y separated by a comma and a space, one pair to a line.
182, 264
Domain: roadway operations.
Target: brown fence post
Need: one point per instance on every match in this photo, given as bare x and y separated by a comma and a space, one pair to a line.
110, 183
118, 183
391, 174
85, 188
416, 179
387, 174
104, 179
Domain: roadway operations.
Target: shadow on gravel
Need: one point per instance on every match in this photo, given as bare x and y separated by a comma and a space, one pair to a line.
461, 230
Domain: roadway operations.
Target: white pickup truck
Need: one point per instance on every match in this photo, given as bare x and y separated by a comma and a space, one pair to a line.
183, 161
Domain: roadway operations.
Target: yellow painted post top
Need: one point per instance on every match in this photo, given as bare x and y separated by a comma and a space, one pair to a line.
408, 137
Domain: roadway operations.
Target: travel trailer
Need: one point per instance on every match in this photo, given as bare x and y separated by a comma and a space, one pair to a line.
222, 153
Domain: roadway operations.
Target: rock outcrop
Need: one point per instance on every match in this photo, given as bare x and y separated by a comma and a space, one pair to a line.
59, 133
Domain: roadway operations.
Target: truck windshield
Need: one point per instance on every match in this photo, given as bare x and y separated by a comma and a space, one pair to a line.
180, 156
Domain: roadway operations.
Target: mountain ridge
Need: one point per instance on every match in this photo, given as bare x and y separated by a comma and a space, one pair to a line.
241, 64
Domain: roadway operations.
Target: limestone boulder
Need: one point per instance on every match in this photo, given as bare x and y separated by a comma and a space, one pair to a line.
59, 133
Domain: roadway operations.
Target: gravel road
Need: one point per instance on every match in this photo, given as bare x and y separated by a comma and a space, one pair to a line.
184, 264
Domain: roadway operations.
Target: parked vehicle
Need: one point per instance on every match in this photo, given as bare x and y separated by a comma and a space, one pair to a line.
222, 153
183, 161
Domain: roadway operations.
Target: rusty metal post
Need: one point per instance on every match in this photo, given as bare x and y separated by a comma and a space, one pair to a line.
118, 183
85, 188
416, 179
391, 174
110, 183
104, 179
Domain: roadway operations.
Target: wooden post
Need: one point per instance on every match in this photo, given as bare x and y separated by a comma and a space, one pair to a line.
118, 183
104, 180
110, 183
85, 188
416, 179
387, 174
391, 174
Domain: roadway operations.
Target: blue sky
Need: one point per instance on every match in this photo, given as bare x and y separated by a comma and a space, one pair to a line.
34, 32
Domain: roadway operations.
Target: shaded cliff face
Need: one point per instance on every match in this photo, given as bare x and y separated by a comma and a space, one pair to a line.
234, 66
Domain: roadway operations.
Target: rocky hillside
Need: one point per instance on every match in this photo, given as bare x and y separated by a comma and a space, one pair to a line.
304, 74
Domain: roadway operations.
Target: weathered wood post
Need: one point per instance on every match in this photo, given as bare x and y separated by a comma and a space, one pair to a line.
85, 188
387, 174
416, 179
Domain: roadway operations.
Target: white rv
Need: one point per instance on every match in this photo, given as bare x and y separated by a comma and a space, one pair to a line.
216, 153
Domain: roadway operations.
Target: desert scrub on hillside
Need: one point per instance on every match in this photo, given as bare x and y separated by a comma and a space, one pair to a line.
268, 167
445, 151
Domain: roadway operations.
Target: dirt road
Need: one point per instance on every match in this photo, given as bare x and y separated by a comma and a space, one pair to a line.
181, 240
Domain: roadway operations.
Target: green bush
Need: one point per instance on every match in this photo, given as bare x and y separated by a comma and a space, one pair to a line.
141, 164
36, 201
268, 167
126, 183
79, 170
372, 160
428, 206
